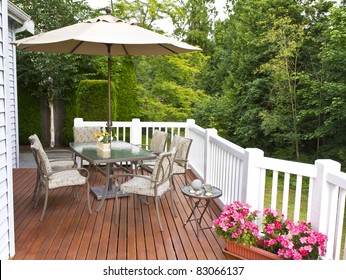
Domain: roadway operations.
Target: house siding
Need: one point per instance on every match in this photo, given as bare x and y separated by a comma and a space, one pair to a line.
6, 148
13, 113
9, 146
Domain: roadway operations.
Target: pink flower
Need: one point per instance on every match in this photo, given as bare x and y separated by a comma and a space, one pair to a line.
278, 225
270, 228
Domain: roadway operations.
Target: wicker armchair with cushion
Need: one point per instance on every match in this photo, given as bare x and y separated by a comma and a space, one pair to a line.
182, 146
59, 159
50, 180
154, 185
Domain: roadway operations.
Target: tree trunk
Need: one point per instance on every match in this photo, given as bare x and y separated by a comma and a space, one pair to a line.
52, 134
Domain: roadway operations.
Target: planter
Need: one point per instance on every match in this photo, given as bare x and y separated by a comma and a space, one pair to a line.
104, 146
103, 154
237, 251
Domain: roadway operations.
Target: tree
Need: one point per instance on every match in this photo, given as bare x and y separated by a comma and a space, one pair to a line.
147, 13
194, 23
286, 40
50, 75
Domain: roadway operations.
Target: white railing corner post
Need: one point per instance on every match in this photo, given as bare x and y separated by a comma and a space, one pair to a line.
207, 155
190, 123
77, 122
136, 132
321, 194
250, 192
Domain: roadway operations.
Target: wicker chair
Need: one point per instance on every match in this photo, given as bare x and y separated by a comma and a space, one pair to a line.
59, 159
182, 146
50, 180
154, 185
157, 146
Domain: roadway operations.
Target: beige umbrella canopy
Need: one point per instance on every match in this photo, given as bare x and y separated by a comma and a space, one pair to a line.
104, 35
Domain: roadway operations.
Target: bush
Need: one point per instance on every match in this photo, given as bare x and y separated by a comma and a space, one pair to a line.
92, 100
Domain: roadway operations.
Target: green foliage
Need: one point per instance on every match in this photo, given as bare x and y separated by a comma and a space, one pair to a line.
92, 100
70, 114
194, 23
127, 93
28, 119
281, 67
146, 14
168, 86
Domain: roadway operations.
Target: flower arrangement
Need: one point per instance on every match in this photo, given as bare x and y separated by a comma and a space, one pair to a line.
103, 136
293, 241
236, 222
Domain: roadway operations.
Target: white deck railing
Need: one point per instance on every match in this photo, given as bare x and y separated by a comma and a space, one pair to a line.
248, 176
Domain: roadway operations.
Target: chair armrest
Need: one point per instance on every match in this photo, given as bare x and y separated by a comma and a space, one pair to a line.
57, 154
180, 159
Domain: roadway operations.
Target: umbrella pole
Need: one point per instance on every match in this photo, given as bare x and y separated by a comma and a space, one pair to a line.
109, 123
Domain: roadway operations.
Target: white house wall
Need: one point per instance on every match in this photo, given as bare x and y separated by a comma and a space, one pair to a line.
6, 180
10, 18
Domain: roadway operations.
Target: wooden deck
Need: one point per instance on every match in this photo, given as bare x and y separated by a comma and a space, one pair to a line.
68, 232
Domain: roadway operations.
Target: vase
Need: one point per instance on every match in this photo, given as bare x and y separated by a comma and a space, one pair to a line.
104, 146
238, 251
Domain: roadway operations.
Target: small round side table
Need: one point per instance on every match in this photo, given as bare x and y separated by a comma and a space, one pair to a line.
196, 200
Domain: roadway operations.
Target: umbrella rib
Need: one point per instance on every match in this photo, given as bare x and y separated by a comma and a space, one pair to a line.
76, 47
125, 50
168, 49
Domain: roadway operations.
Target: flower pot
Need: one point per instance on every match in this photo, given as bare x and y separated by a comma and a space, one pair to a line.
104, 146
103, 153
237, 251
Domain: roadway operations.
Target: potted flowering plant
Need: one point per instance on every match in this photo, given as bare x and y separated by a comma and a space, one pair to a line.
236, 223
282, 239
103, 138
292, 241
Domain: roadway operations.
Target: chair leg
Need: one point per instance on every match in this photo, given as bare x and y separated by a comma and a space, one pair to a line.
157, 212
75, 193
45, 205
172, 181
117, 212
88, 197
173, 205
38, 194
36, 185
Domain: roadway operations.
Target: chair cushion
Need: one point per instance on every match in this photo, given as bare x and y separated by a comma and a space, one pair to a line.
66, 178
178, 169
42, 159
61, 164
158, 141
141, 186
84, 134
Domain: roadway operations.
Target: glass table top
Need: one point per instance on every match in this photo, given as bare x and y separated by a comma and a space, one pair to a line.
120, 151
202, 193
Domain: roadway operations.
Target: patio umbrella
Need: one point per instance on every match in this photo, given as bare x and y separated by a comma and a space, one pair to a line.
104, 35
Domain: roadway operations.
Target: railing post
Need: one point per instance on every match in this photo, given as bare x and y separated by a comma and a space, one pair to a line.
78, 122
250, 192
207, 154
190, 123
321, 194
136, 132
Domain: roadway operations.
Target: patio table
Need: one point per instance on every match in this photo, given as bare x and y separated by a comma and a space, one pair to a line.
121, 152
